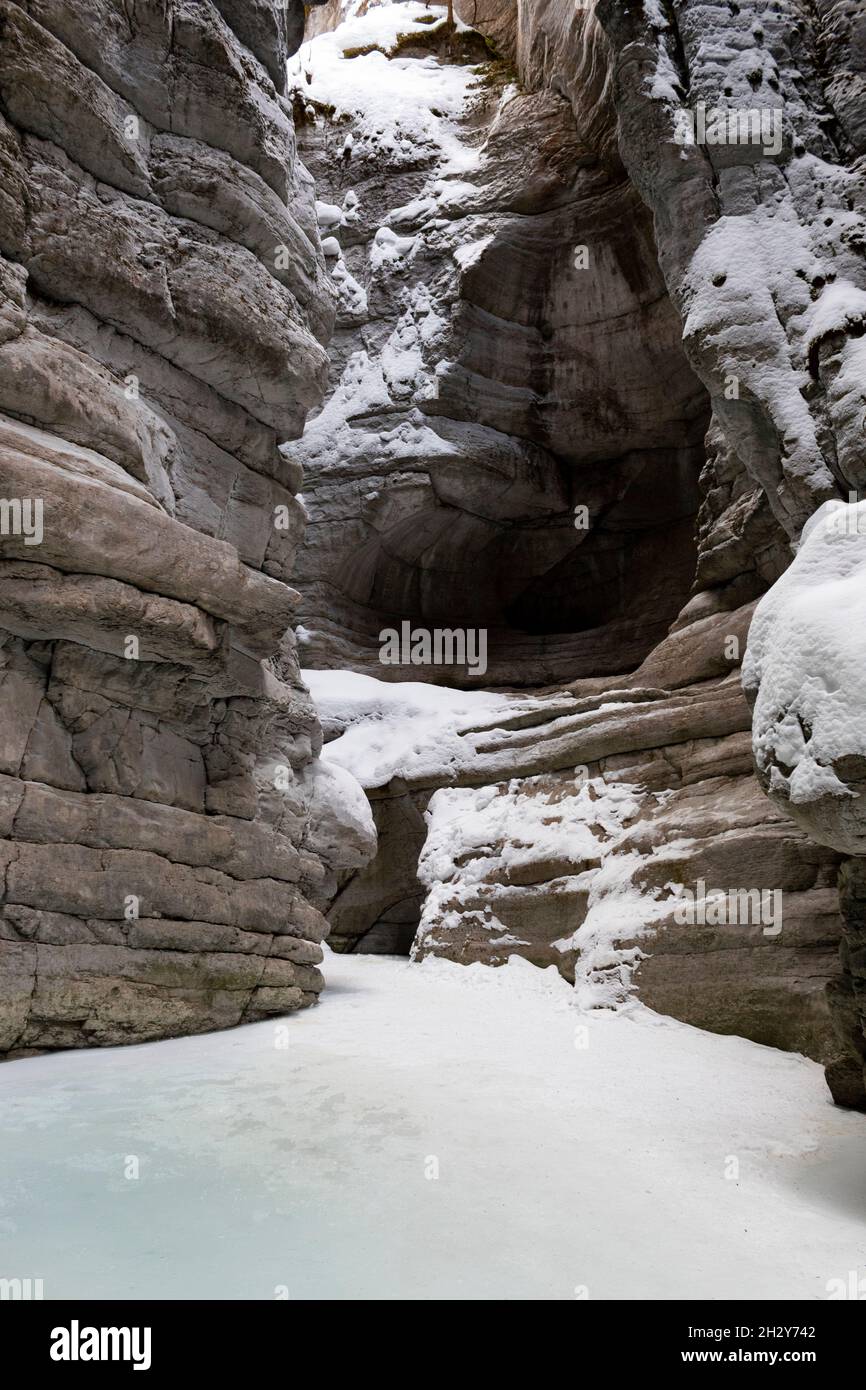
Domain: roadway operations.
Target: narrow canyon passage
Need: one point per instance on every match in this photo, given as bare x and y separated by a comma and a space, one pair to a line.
517, 444
432, 636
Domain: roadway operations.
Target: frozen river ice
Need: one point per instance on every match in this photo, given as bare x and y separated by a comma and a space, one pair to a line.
428, 1132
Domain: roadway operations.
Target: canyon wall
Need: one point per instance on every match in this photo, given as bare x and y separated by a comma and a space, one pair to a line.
167, 828
763, 248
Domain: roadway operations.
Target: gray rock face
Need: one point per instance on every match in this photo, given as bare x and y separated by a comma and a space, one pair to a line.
163, 310
762, 246
761, 242
545, 387
597, 831
590, 374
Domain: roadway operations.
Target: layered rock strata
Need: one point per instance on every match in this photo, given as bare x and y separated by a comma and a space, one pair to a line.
166, 828
763, 246
609, 832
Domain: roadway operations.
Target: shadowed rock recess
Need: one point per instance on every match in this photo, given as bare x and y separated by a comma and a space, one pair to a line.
168, 833
695, 381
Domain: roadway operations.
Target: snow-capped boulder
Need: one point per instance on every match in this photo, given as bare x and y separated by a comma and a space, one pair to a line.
804, 675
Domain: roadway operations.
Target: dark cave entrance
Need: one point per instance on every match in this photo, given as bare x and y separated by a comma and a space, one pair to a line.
584, 583
394, 931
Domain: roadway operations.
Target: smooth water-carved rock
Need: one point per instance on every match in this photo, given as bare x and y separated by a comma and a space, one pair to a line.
163, 310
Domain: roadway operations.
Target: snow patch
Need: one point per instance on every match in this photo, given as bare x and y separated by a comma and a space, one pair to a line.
601, 1165
405, 727
400, 107
479, 838
471, 251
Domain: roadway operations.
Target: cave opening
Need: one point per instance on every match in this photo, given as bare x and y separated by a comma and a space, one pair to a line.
566, 589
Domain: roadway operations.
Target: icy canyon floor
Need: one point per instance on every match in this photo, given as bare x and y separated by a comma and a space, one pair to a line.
433, 1131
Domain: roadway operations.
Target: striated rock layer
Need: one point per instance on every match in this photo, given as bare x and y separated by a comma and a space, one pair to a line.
763, 247
167, 831
589, 378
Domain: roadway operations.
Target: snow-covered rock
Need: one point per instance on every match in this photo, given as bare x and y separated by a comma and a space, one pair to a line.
804, 675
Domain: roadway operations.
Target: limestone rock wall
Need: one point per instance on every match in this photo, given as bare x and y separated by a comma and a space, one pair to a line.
573, 830
163, 314
762, 246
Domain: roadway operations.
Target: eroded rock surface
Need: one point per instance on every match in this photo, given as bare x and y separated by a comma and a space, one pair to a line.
166, 837
608, 832
588, 380
762, 246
